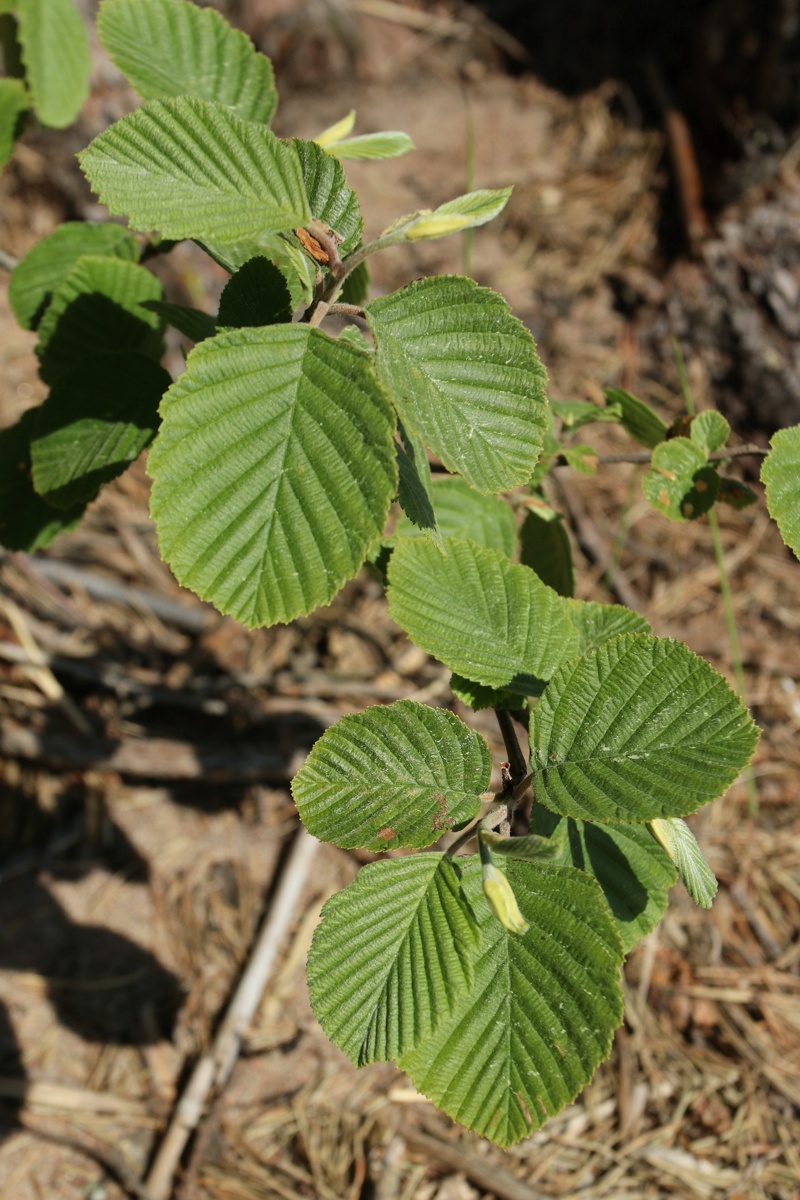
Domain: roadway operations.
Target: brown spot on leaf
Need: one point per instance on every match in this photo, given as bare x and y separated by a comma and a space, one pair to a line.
525, 1110
700, 485
687, 509
386, 833
663, 497
441, 821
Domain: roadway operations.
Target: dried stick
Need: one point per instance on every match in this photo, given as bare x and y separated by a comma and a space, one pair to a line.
214, 1069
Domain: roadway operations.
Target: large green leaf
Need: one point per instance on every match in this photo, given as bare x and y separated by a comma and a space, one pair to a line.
544, 547
598, 623
639, 728
483, 617
541, 1012
679, 483
55, 51
174, 48
14, 103
296, 443
49, 262
98, 307
634, 872
462, 512
780, 473
331, 200
464, 375
96, 421
394, 775
392, 956
190, 168
26, 521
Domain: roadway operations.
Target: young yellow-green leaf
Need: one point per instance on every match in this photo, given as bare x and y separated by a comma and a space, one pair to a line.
190, 168
96, 421
679, 484
544, 547
193, 323
98, 307
634, 872
47, 264
483, 617
55, 51
464, 374
540, 1014
256, 295
335, 133
26, 521
14, 103
394, 775
638, 728
173, 48
709, 431
463, 512
644, 425
392, 956
296, 439
390, 143
598, 623
780, 474
465, 212
681, 845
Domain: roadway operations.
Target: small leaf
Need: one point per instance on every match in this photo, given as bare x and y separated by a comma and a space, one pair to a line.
644, 425
189, 168
465, 376
465, 212
709, 431
581, 458
631, 868
14, 104
98, 307
637, 729
394, 775
256, 295
598, 623
463, 512
49, 262
780, 474
541, 1011
191, 322
26, 521
479, 614
681, 845
387, 144
735, 493
531, 848
392, 956
55, 51
679, 484
96, 421
544, 547
297, 444
173, 48
335, 133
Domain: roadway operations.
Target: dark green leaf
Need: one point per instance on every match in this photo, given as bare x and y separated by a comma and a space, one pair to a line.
26, 521
256, 295
644, 425
191, 322
544, 547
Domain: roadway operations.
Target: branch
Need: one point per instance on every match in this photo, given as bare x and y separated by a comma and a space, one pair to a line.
645, 456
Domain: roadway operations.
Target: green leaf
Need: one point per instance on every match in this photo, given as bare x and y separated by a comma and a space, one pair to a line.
50, 261
735, 493
577, 413
581, 458
679, 484
544, 547
465, 212
26, 521
96, 421
295, 266
340, 129
541, 1012
395, 775
532, 848
476, 696
296, 439
189, 168
256, 295
709, 431
355, 338
55, 51
780, 474
414, 490
644, 425
598, 623
14, 103
465, 376
639, 728
389, 144
98, 307
191, 322
173, 48
483, 617
681, 845
634, 872
355, 289
392, 956
463, 512
331, 200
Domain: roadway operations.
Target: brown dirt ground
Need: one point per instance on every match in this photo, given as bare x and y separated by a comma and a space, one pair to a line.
137, 875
